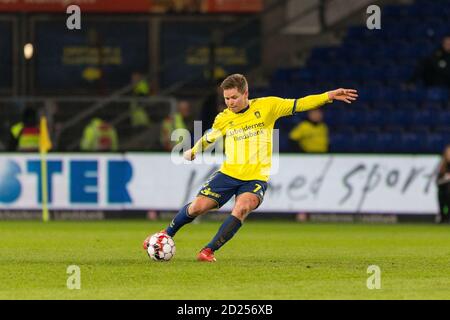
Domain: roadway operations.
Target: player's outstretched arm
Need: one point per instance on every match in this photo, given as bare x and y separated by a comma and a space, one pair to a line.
318, 100
205, 142
189, 155
346, 95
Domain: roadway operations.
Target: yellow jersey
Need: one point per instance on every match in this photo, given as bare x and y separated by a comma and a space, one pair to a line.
248, 134
311, 137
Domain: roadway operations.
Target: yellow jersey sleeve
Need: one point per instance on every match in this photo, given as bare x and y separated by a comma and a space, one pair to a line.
312, 102
280, 107
285, 107
211, 135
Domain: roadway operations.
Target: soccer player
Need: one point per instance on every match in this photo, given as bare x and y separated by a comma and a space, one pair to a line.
247, 126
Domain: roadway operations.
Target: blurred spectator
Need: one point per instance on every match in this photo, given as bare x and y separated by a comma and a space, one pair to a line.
181, 119
311, 134
24, 135
443, 182
138, 114
435, 69
99, 135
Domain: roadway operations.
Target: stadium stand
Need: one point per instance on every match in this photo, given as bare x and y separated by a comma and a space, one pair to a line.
394, 113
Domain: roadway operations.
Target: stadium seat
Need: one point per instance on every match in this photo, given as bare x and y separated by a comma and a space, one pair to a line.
410, 142
437, 94
424, 117
391, 114
435, 142
374, 118
362, 142
408, 104
399, 117
386, 142
339, 142
443, 119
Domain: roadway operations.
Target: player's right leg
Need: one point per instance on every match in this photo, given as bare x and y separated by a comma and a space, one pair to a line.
187, 214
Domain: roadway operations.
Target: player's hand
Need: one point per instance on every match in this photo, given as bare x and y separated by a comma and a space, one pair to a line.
189, 155
346, 95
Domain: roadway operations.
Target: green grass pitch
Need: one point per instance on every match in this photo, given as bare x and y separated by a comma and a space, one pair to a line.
265, 260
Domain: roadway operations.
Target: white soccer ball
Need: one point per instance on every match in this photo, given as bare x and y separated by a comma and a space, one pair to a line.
161, 247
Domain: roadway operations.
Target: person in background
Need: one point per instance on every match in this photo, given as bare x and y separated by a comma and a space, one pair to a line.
138, 114
311, 134
443, 184
100, 136
24, 135
181, 119
435, 69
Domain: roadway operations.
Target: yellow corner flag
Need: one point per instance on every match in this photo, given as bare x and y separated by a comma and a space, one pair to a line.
45, 145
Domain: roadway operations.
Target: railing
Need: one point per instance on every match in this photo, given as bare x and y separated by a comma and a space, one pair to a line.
67, 117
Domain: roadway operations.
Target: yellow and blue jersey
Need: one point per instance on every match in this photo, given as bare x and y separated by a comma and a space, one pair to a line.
248, 134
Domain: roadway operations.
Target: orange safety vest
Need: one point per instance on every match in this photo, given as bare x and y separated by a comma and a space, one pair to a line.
28, 137
104, 139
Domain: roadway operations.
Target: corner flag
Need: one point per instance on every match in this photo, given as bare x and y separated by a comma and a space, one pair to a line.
45, 145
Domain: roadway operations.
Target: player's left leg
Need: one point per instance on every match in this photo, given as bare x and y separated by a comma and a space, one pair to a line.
245, 203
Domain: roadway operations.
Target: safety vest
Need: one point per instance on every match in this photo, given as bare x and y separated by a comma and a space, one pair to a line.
168, 126
138, 115
99, 136
28, 137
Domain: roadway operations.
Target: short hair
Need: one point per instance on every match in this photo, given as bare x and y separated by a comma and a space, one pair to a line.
237, 81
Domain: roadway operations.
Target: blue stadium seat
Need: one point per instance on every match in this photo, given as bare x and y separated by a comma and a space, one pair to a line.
443, 119
399, 117
394, 30
435, 142
418, 94
445, 132
410, 142
430, 104
381, 93
332, 116
425, 48
339, 142
424, 117
407, 50
374, 118
383, 105
357, 33
284, 142
408, 105
363, 142
387, 142
437, 94
389, 116
352, 117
